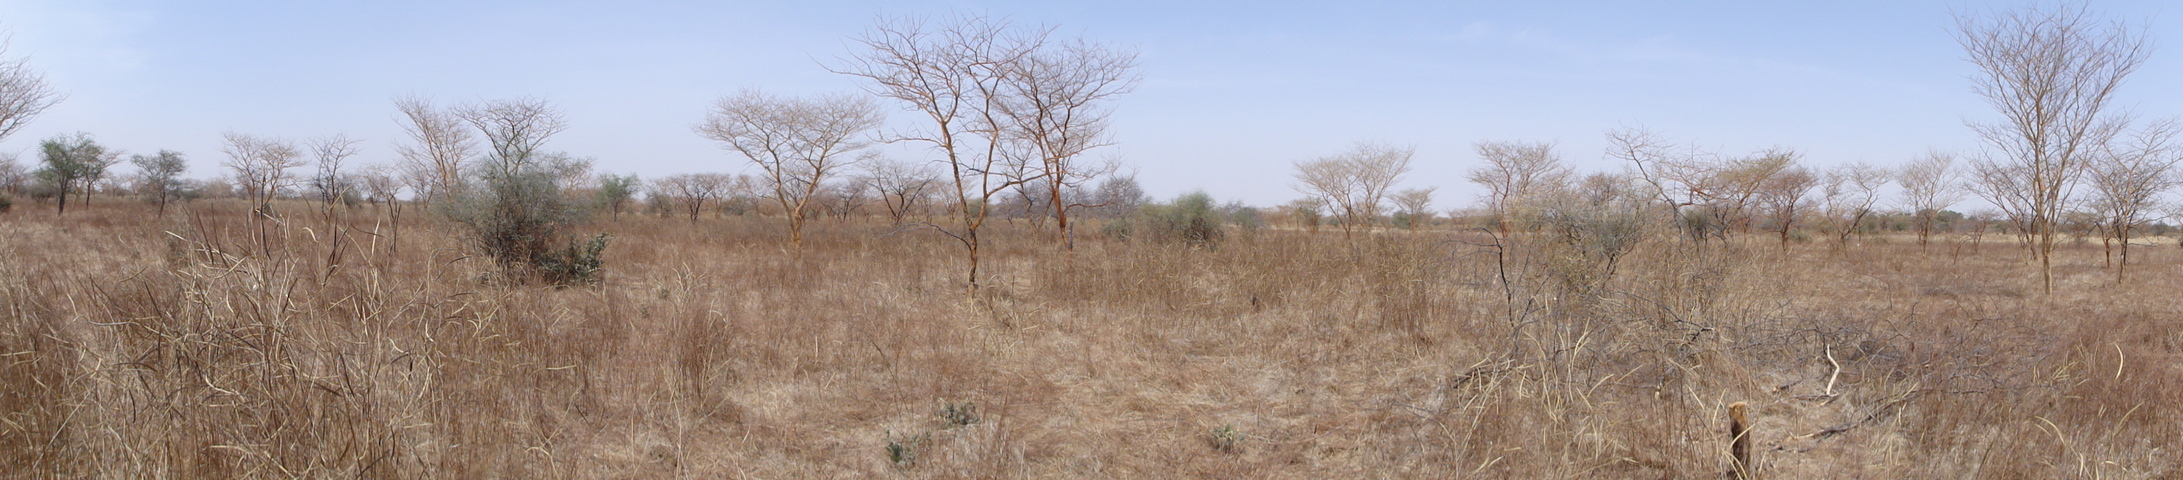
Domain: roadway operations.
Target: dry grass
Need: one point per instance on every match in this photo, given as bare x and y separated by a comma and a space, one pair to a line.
202, 346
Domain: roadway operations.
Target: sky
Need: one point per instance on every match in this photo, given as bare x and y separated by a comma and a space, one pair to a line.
1232, 93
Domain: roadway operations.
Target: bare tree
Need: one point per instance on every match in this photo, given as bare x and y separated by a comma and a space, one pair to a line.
1515, 174
1929, 185
1648, 154
1055, 100
1708, 195
261, 167
162, 175
329, 184
23, 94
439, 146
382, 185
904, 188
1782, 196
12, 174
2129, 179
843, 198
1356, 182
2051, 73
952, 74
692, 190
800, 143
1729, 187
1849, 193
2007, 187
515, 132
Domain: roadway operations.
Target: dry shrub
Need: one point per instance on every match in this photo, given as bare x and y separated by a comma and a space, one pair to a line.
209, 346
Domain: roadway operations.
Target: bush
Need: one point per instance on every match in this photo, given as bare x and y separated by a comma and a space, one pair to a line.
1190, 219
6, 203
517, 215
579, 264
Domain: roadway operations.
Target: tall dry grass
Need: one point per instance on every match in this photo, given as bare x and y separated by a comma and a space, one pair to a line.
207, 345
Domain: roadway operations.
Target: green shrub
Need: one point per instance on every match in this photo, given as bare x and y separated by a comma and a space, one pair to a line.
1190, 219
579, 264
517, 213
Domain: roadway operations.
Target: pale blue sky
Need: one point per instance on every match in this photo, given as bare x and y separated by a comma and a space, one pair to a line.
1233, 93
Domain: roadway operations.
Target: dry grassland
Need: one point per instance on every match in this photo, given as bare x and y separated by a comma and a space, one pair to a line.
206, 346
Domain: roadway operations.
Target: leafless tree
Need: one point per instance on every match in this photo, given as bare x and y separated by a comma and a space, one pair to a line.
1708, 195
692, 190
1849, 192
261, 167
382, 185
1515, 174
904, 188
1649, 155
330, 184
515, 132
1729, 187
23, 94
952, 74
1307, 212
1055, 100
439, 146
843, 198
2051, 73
1356, 182
12, 173
798, 142
1782, 195
1929, 185
2129, 179
2007, 187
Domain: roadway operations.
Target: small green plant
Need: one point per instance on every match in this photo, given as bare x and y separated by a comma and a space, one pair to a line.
959, 414
579, 264
1225, 438
902, 451
1191, 219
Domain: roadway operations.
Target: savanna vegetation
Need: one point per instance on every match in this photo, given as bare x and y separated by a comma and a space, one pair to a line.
488, 307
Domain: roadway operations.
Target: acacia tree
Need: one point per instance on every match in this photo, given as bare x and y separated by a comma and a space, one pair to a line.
1055, 100
1782, 197
1413, 207
439, 146
1730, 187
162, 174
1929, 185
1707, 195
1515, 174
2050, 72
951, 73
1850, 191
615, 191
329, 184
2128, 180
692, 190
261, 167
1356, 182
70, 164
798, 142
903, 187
